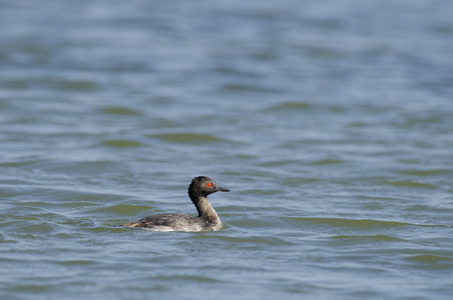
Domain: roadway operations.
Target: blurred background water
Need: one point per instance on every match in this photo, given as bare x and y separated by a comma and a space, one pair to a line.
330, 121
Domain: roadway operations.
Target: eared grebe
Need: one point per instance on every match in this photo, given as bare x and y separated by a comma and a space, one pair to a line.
207, 218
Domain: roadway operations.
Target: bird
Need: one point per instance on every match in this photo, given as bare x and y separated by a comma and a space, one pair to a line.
207, 219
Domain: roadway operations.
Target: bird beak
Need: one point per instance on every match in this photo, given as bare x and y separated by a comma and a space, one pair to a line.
221, 189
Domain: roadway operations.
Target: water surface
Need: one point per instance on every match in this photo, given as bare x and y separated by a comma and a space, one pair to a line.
329, 121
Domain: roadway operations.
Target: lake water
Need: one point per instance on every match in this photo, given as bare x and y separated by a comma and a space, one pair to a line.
330, 121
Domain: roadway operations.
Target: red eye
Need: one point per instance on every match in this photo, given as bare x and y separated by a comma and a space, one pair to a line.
208, 184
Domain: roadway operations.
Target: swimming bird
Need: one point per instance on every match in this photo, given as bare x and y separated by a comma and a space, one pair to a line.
207, 219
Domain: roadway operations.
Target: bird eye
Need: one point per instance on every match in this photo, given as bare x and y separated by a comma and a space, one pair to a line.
208, 184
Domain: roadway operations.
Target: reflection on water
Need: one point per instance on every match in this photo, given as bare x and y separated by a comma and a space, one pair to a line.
330, 122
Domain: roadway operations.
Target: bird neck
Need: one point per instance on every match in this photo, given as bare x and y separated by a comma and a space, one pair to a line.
205, 208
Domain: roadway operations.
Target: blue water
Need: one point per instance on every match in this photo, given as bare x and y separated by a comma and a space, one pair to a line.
331, 123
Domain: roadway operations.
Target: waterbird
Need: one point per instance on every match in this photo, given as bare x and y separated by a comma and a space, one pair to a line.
207, 219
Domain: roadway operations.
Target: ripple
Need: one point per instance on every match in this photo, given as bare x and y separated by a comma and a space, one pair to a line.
77, 85
289, 106
247, 241
367, 238
122, 143
77, 262
347, 223
431, 172
240, 87
36, 227
327, 162
187, 138
278, 163
71, 85
30, 288
20, 163
411, 184
120, 110
120, 209
430, 259
192, 278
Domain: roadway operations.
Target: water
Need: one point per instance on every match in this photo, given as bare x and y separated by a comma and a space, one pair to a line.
330, 121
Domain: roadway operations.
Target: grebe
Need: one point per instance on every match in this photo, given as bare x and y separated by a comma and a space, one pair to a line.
207, 219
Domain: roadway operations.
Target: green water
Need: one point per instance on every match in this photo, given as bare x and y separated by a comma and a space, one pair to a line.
330, 122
